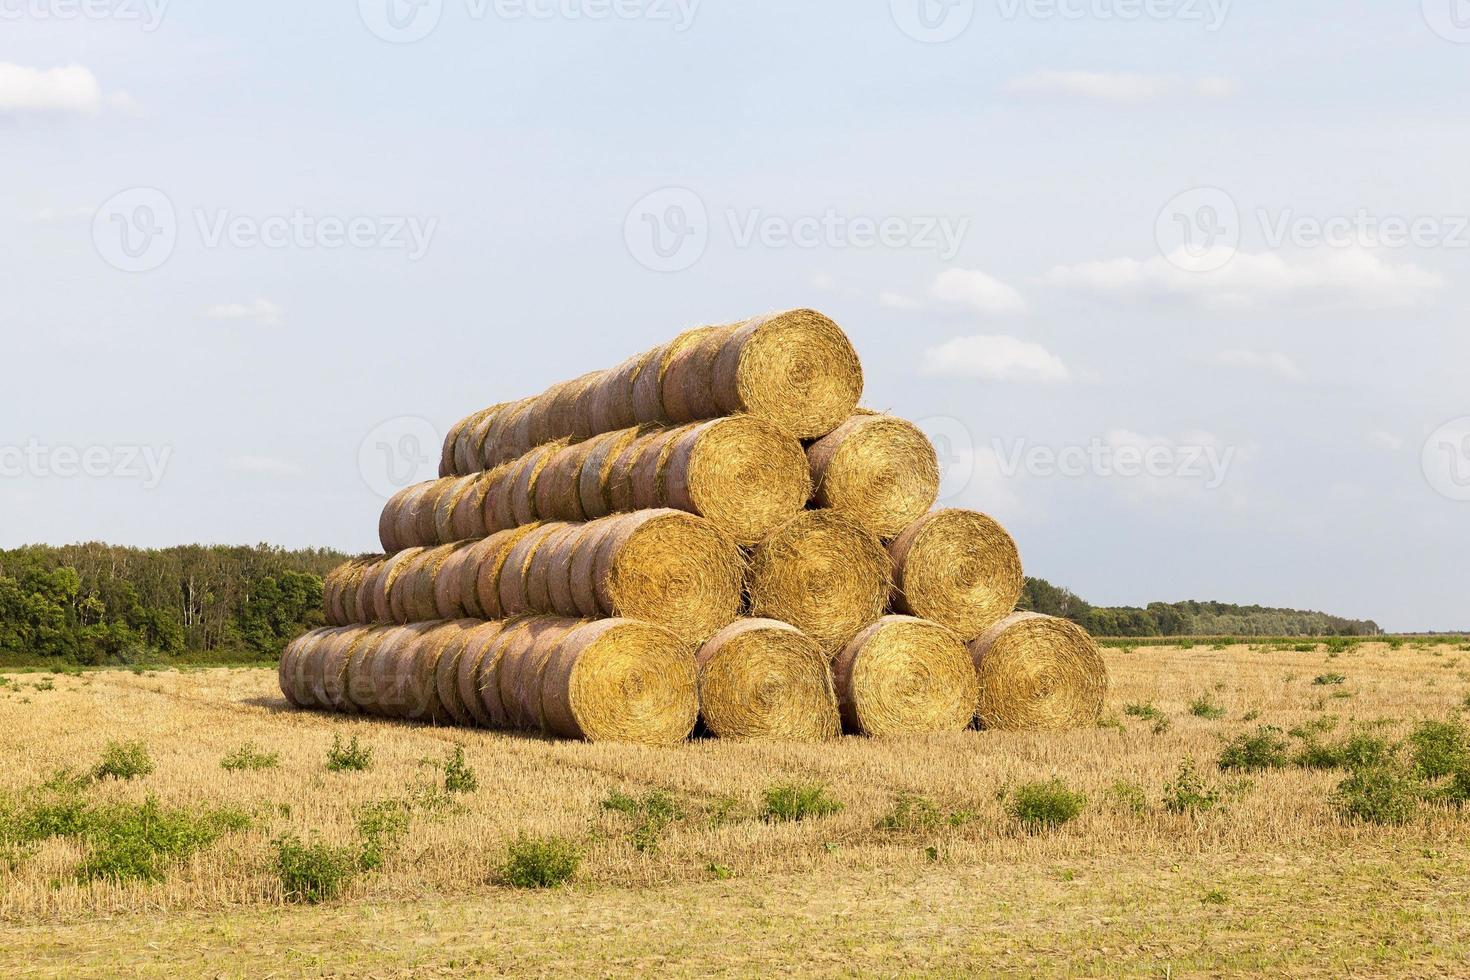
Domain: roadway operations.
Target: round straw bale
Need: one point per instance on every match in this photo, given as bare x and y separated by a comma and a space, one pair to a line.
361, 676
593, 481
560, 419
583, 577
415, 524
878, 470
419, 601
479, 639
335, 683
515, 576
519, 485
561, 586
687, 391
550, 562
669, 568
310, 670
495, 511
797, 369
447, 503
760, 679
467, 518
378, 601
449, 583
401, 584
487, 567
905, 676
470, 452
557, 494
390, 515
823, 574
287, 670
404, 688
341, 601
616, 680
446, 670
511, 633
620, 474
742, 473
515, 438
522, 663
1039, 674
609, 406
355, 604
447, 465
958, 568
644, 484
490, 434
648, 386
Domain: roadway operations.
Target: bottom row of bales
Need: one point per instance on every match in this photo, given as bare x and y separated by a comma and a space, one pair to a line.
623, 680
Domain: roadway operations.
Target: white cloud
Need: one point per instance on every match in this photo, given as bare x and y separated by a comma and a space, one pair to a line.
71, 89
977, 292
994, 358
1272, 362
262, 311
1117, 86
1330, 277
264, 465
824, 281
57, 215
898, 301
1386, 441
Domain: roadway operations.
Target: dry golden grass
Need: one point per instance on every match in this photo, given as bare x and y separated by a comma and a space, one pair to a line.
1271, 881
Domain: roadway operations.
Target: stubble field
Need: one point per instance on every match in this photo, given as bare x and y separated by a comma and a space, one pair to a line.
926, 868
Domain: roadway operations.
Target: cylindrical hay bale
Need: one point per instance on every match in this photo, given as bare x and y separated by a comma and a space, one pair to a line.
648, 386
609, 406
558, 497
401, 584
594, 480
743, 474
645, 480
448, 583
375, 687
668, 568
958, 568
415, 526
446, 505
522, 662
406, 677
417, 586
760, 679
478, 639
336, 682
551, 567
289, 673
434, 667
583, 577
905, 676
823, 574
515, 576
377, 603
511, 633
615, 680
467, 517
362, 687
878, 470
485, 568
1039, 674
518, 488
797, 370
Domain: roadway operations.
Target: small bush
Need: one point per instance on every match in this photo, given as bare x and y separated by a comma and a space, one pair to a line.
1326, 680
348, 757
912, 813
380, 825
1044, 806
651, 815
1129, 796
1147, 712
1265, 749
1381, 794
124, 760
539, 862
249, 757
458, 776
1187, 793
798, 802
1204, 707
313, 872
1439, 748
131, 841
1354, 752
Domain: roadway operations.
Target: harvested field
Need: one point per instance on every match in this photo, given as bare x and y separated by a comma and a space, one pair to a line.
924, 869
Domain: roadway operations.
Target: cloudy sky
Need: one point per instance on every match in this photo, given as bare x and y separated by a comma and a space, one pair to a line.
1178, 285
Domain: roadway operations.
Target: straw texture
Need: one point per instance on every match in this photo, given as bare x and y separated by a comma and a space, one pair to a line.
1038, 673
877, 470
905, 676
764, 680
958, 568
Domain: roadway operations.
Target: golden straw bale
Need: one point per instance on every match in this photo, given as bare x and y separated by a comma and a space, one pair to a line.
479, 637
823, 574
760, 679
522, 662
617, 680
485, 568
515, 577
958, 568
905, 676
1039, 674
878, 470
742, 473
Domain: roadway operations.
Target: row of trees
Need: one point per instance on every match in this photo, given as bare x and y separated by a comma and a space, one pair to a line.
95, 604
1188, 618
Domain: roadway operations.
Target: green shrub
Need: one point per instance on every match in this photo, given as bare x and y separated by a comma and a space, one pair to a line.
912, 813
1147, 712
539, 862
458, 776
1354, 752
123, 760
1264, 749
1439, 748
1044, 806
314, 871
1386, 793
249, 757
1187, 792
1204, 707
1325, 680
349, 756
651, 815
1129, 796
131, 841
798, 802
380, 825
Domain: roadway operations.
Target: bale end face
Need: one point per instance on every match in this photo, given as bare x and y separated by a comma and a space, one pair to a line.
905, 676
615, 680
1038, 673
796, 369
957, 568
877, 470
764, 680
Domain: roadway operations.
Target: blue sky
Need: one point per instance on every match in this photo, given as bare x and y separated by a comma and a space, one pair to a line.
1164, 227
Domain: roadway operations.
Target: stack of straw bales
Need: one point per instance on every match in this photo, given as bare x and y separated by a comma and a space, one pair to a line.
712, 532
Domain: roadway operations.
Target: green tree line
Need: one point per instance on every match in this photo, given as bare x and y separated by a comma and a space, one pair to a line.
92, 604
